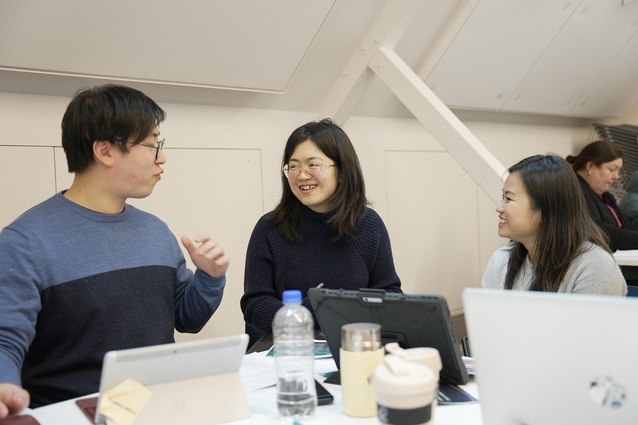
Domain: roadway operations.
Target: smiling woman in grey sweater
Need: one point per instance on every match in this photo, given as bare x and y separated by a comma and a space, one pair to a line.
555, 245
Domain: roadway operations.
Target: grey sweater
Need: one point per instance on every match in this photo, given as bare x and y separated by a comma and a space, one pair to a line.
593, 272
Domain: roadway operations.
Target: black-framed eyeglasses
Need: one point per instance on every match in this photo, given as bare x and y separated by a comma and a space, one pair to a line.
311, 169
159, 147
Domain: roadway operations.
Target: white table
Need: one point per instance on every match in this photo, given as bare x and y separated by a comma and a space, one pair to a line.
264, 409
626, 257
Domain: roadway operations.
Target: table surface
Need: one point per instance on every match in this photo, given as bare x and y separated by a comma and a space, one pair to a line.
263, 405
626, 257
264, 411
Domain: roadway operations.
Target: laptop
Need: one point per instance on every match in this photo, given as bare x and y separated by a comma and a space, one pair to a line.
553, 359
195, 382
409, 320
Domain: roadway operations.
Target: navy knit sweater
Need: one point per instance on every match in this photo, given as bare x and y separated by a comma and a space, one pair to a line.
75, 284
275, 264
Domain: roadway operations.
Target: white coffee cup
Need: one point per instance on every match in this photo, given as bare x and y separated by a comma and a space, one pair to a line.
405, 391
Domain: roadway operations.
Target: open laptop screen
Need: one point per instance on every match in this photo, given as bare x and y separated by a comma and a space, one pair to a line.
546, 358
168, 367
409, 320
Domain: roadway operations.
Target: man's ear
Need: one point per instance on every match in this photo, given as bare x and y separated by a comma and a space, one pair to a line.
102, 152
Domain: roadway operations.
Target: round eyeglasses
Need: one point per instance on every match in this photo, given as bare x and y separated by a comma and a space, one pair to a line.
159, 147
312, 169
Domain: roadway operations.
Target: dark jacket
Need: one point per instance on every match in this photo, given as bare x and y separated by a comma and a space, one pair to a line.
619, 237
629, 204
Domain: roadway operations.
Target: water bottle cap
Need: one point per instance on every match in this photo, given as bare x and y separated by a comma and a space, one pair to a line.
291, 296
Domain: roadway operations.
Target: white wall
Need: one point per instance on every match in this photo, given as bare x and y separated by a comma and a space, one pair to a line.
630, 118
222, 173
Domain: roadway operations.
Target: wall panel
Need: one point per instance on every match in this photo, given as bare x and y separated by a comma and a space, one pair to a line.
432, 211
27, 178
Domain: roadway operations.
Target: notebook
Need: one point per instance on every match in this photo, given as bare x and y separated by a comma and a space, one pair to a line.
409, 320
553, 359
195, 382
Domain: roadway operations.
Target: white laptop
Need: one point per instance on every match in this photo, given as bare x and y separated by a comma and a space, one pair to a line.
196, 382
554, 359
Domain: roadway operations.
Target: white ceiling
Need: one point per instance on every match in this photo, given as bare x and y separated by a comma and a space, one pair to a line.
573, 58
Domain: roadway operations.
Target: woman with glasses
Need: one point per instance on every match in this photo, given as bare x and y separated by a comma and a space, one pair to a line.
597, 167
322, 231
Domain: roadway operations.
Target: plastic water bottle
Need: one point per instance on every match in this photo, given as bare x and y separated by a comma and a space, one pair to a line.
293, 332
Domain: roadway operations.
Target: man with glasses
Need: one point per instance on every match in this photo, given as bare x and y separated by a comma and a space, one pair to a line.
84, 272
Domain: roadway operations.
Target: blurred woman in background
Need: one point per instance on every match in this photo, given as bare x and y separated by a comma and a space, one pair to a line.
598, 166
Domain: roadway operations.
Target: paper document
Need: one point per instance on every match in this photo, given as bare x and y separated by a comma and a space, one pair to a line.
258, 371
322, 350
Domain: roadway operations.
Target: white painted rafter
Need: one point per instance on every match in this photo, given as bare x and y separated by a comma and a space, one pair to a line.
449, 131
386, 31
376, 57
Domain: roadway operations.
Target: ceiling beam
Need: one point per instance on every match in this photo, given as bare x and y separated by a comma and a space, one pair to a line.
448, 130
386, 31
376, 56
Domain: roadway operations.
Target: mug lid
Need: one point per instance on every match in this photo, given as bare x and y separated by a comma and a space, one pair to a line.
427, 356
361, 336
401, 377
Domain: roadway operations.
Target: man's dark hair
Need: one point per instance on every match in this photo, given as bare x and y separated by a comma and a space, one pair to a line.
110, 112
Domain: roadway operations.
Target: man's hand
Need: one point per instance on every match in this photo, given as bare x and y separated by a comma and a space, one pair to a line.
13, 399
208, 256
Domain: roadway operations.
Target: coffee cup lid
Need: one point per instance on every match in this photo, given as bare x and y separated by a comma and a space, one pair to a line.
401, 377
427, 356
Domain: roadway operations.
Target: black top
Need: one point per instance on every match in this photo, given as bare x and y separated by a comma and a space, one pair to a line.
619, 237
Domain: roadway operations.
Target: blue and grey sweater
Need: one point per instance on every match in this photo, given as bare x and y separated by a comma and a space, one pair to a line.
75, 284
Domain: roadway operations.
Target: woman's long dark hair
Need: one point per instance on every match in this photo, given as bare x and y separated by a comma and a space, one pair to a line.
349, 201
554, 191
